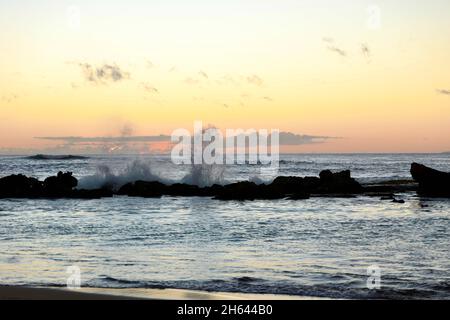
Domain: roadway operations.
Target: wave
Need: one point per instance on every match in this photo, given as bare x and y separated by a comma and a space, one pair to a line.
350, 289
203, 175
106, 178
56, 157
199, 175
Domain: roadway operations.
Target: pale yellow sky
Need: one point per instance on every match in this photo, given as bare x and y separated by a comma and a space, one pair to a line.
89, 68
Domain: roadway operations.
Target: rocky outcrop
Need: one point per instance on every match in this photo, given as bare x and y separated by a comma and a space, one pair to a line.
246, 190
143, 189
20, 186
294, 188
338, 183
432, 183
63, 185
60, 185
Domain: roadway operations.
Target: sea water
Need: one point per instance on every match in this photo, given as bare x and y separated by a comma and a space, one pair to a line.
315, 247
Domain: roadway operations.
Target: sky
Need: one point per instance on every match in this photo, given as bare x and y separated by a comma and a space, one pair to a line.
341, 76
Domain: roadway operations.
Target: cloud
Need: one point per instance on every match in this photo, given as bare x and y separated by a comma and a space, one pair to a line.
443, 91
119, 139
286, 138
365, 50
191, 81
268, 99
292, 139
337, 50
227, 80
126, 142
8, 98
127, 130
254, 79
328, 39
203, 74
103, 74
149, 88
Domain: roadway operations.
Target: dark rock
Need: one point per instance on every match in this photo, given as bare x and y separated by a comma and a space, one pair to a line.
338, 183
211, 191
243, 190
60, 185
294, 185
20, 186
183, 190
246, 190
296, 188
432, 183
152, 189
398, 201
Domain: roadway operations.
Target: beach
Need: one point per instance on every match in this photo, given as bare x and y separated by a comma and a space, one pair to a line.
47, 293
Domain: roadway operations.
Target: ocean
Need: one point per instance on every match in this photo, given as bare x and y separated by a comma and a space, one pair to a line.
320, 247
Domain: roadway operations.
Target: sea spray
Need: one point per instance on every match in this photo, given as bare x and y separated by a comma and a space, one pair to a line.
134, 171
204, 175
201, 175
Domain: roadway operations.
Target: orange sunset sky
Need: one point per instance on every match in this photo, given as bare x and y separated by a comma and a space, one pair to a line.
361, 76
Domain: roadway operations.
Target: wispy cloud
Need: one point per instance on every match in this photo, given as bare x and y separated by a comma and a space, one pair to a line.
365, 50
127, 130
8, 98
149, 88
191, 81
443, 91
292, 139
337, 50
121, 139
254, 79
334, 48
103, 74
286, 138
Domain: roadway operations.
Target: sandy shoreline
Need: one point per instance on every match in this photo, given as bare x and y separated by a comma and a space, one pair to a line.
50, 293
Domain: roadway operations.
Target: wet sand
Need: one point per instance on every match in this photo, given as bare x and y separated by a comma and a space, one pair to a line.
41, 293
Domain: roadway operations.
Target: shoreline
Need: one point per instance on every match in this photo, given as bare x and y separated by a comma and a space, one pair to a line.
55, 293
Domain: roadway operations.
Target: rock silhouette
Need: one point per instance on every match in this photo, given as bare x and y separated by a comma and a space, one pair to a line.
60, 185
20, 186
295, 188
432, 183
63, 185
